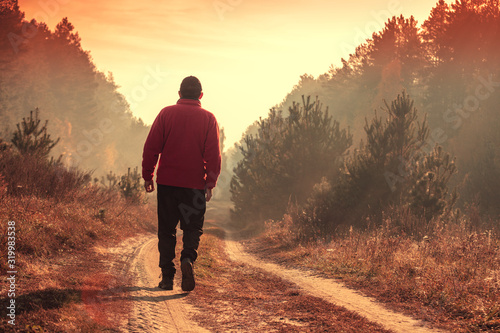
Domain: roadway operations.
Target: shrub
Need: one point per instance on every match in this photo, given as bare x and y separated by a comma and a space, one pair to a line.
131, 185
32, 175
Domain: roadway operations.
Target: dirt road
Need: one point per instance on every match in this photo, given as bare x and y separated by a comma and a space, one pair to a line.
154, 309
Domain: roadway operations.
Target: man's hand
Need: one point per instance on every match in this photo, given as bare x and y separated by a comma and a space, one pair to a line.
149, 185
208, 194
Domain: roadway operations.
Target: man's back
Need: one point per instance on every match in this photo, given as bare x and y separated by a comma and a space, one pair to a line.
187, 137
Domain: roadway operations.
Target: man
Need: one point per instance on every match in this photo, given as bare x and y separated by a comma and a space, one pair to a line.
186, 137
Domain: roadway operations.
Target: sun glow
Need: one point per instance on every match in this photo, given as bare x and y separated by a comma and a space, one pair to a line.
247, 54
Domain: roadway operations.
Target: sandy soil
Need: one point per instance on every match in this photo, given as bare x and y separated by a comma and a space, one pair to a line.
154, 309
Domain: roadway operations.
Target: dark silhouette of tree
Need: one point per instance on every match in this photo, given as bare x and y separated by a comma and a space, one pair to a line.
433, 30
395, 58
64, 31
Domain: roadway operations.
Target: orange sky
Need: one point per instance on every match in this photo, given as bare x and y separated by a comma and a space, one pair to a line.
248, 54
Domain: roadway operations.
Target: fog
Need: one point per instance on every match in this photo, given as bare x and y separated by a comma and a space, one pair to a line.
50, 71
449, 65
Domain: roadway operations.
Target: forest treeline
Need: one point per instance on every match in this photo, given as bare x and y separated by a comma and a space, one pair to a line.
448, 66
447, 147
50, 71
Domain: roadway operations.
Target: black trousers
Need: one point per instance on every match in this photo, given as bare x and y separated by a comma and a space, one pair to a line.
187, 206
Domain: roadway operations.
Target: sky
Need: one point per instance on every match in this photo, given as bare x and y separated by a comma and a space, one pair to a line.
248, 54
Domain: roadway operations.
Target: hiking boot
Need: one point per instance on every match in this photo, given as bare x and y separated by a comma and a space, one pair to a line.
187, 275
166, 283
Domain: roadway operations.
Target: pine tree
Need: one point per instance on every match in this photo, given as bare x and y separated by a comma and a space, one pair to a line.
283, 161
390, 169
31, 137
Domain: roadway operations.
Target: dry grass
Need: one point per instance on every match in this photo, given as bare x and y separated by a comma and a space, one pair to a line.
46, 227
38, 176
59, 272
450, 277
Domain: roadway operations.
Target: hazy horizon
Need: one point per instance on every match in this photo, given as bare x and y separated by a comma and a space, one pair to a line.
248, 55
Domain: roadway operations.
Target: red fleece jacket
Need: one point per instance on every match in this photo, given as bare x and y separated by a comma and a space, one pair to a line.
186, 137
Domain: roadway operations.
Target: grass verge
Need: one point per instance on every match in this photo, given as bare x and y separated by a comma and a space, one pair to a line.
451, 279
